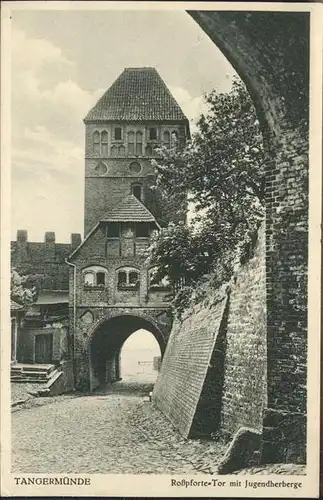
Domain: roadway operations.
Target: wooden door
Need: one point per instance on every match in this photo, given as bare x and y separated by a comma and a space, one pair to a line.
44, 348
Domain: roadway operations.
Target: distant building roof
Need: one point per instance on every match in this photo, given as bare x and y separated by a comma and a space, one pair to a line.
52, 297
129, 209
138, 94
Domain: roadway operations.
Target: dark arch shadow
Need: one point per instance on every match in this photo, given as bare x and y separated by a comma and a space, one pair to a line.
107, 341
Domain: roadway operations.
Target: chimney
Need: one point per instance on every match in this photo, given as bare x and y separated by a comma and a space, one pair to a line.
49, 246
75, 240
22, 245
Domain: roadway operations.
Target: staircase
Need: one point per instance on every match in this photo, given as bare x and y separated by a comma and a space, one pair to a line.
36, 374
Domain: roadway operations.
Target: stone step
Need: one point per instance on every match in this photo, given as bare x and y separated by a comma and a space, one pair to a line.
32, 373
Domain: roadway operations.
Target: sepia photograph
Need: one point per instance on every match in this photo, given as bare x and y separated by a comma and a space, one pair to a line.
161, 195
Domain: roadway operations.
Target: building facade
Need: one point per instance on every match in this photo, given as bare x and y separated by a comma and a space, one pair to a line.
112, 288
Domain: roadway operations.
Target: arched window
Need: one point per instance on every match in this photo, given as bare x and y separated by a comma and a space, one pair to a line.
104, 143
122, 278
128, 279
88, 278
96, 143
136, 190
100, 278
114, 151
122, 151
94, 276
118, 133
166, 139
149, 150
153, 134
139, 143
131, 143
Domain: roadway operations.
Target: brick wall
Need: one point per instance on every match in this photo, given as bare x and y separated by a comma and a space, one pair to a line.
185, 364
105, 187
44, 258
270, 51
213, 376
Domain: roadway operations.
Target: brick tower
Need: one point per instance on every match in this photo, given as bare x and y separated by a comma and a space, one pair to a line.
134, 116
112, 291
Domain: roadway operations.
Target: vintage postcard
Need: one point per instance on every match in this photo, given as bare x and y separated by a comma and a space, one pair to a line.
160, 249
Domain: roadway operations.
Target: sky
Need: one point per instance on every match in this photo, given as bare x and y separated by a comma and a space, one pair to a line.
61, 64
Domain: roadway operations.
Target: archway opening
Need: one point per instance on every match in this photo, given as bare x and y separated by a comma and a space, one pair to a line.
135, 339
140, 358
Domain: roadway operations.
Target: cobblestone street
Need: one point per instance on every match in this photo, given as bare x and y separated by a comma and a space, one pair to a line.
111, 431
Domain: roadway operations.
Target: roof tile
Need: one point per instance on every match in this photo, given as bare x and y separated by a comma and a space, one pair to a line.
130, 209
138, 94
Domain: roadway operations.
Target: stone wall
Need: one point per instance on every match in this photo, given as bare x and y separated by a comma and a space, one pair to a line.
213, 375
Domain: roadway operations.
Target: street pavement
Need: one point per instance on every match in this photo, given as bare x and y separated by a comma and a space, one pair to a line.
111, 431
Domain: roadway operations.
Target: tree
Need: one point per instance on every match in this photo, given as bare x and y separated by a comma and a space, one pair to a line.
24, 289
222, 171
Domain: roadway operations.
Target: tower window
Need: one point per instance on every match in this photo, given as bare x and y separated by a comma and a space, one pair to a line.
100, 143
139, 143
131, 143
96, 143
104, 143
136, 190
153, 134
113, 230
118, 133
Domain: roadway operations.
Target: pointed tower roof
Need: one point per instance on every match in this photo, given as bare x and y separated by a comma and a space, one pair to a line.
138, 94
129, 209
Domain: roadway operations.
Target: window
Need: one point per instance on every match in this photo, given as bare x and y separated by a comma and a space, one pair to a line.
100, 143
96, 143
137, 191
149, 150
142, 230
114, 151
113, 230
135, 167
139, 143
118, 133
94, 276
104, 143
121, 151
100, 279
133, 277
166, 139
153, 134
128, 279
131, 143
89, 279
122, 278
